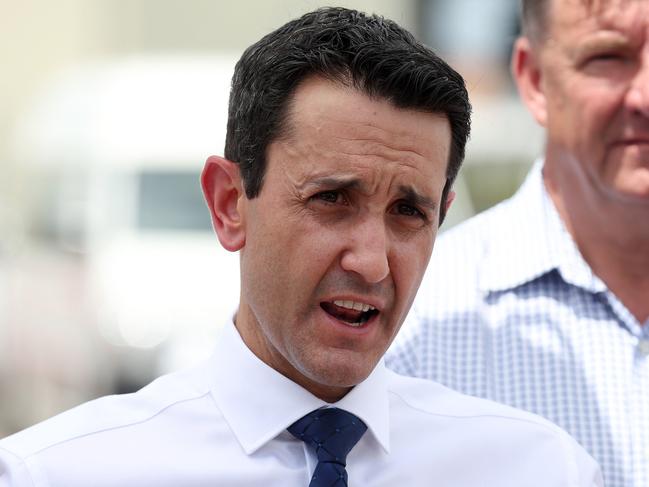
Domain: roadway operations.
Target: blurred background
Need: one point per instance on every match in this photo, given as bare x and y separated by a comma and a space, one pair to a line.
109, 272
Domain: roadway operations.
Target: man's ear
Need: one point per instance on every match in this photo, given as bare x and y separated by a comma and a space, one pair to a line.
526, 70
448, 195
222, 188
449, 200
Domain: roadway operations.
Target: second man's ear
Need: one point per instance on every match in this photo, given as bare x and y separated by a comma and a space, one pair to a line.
526, 70
223, 189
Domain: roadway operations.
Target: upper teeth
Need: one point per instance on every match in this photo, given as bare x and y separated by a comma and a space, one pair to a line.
354, 305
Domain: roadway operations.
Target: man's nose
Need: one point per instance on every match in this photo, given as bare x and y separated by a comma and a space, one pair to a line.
366, 252
637, 97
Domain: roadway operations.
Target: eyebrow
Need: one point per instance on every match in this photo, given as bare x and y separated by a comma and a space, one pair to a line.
411, 195
406, 192
604, 41
336, 182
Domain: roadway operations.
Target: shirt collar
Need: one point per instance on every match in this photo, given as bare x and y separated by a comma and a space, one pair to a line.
533, 242
258, 403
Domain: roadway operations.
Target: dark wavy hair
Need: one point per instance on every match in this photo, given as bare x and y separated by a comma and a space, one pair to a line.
368, 52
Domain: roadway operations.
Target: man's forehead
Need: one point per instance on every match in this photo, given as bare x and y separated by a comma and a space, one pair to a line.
333, 127
311, 104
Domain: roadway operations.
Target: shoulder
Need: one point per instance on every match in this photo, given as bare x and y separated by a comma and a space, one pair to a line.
422, 402
426, 398
106, 416
512, 440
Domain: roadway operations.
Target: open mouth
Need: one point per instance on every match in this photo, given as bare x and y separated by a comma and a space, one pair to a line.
352, 313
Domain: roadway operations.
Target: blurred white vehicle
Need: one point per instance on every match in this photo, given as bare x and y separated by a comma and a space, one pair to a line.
126, 142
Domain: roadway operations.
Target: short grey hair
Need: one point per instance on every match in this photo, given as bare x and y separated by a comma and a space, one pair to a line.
534, 18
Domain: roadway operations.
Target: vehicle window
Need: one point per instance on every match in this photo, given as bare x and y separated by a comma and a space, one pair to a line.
171, 200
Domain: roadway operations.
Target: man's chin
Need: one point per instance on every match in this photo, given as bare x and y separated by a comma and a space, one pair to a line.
339, 373
633, 188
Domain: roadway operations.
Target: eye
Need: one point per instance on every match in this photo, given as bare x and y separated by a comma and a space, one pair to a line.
329, 197
610, 65
406, 209
605, 58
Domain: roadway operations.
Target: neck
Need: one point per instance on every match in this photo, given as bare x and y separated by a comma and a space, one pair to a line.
257, 339
612, 239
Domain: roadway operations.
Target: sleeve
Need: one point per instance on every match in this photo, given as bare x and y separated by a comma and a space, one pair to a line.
14, 471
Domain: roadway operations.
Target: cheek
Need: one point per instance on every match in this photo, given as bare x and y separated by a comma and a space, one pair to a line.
302, 255
320, 241
408, 264
592, 104
266, 260
597, 119
581, 122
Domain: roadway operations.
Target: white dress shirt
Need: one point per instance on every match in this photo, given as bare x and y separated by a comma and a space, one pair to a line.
223, 423
510, 311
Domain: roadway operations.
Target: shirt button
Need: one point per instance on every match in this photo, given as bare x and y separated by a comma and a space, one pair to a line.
643, 346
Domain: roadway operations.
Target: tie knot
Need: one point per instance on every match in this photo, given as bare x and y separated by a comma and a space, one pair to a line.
332, 432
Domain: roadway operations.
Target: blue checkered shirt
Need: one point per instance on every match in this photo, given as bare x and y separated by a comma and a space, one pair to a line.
509, 310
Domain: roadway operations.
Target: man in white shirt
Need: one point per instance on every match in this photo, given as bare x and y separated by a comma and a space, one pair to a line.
347, 135
544, 299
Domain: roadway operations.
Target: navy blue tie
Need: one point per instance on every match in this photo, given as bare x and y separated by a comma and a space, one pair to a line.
332, 433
